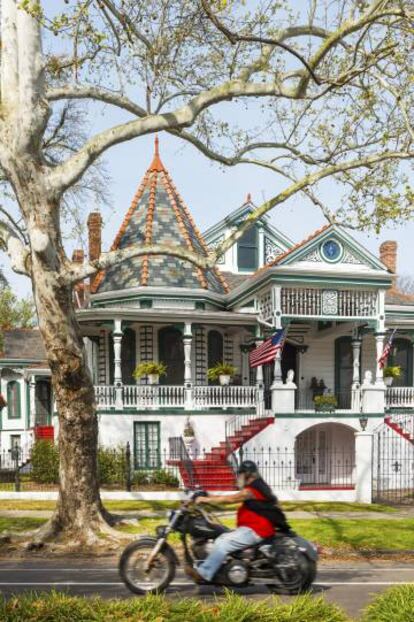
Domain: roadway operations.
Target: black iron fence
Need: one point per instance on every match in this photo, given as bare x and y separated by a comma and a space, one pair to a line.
177, 467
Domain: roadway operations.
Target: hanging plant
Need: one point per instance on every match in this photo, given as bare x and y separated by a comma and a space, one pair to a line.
393, 371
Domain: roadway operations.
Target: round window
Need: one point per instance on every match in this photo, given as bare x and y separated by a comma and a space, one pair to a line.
331, 250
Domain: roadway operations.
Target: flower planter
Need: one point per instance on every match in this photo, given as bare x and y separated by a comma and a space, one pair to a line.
153, 378
388, 381
224, 379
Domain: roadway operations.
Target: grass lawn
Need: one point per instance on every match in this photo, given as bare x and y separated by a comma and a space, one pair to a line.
20, 524
341, 534
163, 506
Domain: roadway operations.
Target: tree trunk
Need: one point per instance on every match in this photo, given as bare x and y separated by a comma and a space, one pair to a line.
79, 513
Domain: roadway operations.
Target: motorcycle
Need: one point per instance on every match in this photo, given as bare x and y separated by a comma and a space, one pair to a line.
285, 563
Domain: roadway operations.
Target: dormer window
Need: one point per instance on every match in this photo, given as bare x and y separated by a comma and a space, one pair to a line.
247, 250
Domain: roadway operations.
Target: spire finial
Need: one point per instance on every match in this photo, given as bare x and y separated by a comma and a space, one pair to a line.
248, 198
156, 164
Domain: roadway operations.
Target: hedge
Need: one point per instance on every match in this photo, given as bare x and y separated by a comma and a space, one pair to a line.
394, 605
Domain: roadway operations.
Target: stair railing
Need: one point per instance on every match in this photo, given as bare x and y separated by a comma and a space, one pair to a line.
179, 453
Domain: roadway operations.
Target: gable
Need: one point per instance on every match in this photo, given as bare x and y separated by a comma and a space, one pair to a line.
331, 247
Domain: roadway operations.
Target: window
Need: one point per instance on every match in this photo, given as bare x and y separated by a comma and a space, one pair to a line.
402, 355
128, 355
147, 445
215, 348
171, 353
247, 250
13, 400
344, 371
43, 401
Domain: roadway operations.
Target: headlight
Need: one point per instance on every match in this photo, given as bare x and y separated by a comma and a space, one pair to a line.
160, 531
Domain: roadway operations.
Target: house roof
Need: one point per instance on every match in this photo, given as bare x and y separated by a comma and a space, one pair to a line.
23, 344
158, 215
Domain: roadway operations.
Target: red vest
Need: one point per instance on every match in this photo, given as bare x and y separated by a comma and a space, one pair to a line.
247, 518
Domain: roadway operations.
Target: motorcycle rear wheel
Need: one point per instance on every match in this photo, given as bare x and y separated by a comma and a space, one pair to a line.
307, 570
132, 567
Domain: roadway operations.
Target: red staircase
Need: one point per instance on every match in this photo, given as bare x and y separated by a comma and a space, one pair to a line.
400, 428
214, 472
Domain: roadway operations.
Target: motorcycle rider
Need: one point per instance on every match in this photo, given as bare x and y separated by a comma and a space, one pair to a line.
257, 518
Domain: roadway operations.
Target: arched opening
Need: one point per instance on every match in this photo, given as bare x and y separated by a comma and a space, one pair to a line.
171, 352
344, 370
215, 348
13, 400
43, 402
128, 355
402, 355
325, 457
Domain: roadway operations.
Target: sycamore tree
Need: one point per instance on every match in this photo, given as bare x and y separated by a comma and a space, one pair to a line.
321, 92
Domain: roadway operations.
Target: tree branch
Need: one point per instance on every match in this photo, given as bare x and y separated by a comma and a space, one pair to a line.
76, 272
18, 253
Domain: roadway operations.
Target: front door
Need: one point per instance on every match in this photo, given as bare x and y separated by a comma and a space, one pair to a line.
147, 454
171, 353
344, 371
43, 402
312, 460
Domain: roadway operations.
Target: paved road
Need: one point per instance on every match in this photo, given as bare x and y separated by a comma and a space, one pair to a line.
349, 585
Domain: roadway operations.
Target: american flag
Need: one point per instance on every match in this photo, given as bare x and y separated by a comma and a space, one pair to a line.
387, 349
266, 352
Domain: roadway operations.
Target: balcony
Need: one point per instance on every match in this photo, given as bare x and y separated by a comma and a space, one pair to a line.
154, 397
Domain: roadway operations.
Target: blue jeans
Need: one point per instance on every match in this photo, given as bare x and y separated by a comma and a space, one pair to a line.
241, 538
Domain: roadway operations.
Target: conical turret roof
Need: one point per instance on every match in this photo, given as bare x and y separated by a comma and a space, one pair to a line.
158, 215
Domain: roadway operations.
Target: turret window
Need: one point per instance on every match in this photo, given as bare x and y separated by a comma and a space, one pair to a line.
247, 250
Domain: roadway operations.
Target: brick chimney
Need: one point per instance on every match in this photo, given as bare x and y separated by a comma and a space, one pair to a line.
94, 235
388, 255
78, 255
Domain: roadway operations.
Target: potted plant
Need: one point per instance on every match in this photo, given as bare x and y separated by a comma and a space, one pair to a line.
189, 436
151, 370
223, 372
325, 403
391, 372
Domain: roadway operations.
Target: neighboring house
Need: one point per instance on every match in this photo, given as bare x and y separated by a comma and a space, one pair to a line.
335, 299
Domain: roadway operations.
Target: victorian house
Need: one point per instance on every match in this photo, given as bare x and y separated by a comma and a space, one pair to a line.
336, 300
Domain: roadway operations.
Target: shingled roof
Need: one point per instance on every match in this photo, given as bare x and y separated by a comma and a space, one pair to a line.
158, 215
23, 344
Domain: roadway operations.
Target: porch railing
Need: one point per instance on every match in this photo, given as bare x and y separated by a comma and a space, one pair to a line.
399, 397
175, 396
224, 397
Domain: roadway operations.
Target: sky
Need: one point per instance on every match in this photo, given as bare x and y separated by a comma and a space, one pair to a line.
211, 193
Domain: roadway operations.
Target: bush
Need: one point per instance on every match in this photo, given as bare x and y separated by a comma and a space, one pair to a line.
57, 606
111, 466
160, 477
45, 462
394, 605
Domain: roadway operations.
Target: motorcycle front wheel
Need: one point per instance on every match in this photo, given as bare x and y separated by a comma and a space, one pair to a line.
135, 575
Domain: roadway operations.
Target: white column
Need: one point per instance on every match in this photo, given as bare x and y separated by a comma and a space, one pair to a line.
356, 379
261, 245
32, 401
379, 343
363, 466
188, 376
117, 337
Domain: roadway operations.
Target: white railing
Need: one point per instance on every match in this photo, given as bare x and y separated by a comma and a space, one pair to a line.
399, 397
105, 396
152, 396
168, 396
224, 397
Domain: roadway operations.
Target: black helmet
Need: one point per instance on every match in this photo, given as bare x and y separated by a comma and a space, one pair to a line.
247, 466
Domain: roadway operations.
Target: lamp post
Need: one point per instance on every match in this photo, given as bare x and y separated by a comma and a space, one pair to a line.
363, 422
